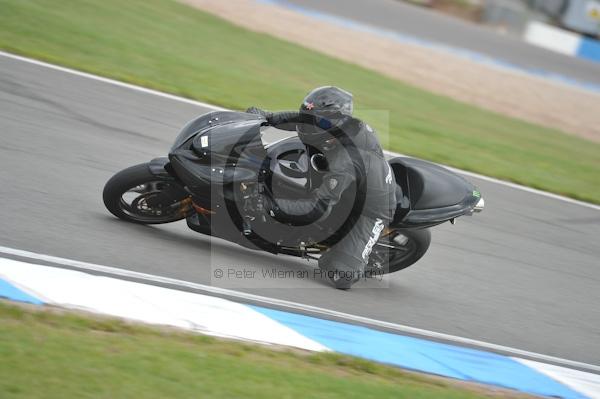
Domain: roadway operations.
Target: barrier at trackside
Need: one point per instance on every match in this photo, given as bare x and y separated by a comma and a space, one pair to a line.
562, 41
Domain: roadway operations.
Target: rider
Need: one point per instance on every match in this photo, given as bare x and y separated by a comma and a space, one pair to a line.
355, 159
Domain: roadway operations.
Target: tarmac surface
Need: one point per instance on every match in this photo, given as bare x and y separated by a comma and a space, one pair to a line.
525, 273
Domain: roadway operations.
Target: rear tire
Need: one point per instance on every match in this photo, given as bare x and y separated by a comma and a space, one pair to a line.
411, 246
163, 192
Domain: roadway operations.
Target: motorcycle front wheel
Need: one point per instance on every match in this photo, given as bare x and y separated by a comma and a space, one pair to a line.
136, 195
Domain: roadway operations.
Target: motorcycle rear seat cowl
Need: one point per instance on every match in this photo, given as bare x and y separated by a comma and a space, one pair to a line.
432, 186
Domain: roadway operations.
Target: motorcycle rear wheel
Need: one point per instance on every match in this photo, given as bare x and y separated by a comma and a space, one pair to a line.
398, 250
136, 195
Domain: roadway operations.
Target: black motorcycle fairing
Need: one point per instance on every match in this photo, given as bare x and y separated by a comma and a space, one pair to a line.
198, 175
208, 121
225, 151
230, 143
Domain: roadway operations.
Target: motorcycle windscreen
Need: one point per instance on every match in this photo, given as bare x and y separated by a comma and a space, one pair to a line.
209, 121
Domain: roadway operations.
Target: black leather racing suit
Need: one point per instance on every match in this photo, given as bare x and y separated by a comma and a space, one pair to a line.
355, 163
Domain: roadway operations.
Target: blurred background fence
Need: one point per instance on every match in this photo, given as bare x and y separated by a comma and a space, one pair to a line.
513, 16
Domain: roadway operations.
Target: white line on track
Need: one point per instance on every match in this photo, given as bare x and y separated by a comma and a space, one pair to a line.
214, 107
113, 271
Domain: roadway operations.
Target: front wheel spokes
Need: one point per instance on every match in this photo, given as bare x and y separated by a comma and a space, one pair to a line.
148, 200
140, 205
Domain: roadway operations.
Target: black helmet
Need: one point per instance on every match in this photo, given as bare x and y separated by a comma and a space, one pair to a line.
323, 114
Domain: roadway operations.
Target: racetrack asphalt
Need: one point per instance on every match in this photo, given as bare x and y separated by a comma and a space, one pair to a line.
525, 273
435, 27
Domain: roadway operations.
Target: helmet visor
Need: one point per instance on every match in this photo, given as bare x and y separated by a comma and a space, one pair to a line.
311, 123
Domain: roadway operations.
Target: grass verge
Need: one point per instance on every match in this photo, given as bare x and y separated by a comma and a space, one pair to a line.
47, 353
172, 47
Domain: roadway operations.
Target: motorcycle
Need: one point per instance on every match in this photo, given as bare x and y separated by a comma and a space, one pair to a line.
218, 171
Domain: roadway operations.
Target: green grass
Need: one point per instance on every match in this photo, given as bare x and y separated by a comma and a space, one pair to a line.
47, 354
171, 47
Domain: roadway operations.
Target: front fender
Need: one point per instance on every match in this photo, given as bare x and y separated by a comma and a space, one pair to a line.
160, 167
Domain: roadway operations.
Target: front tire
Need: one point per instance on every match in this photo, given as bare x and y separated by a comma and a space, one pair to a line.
137, 195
